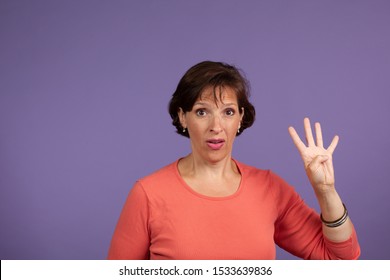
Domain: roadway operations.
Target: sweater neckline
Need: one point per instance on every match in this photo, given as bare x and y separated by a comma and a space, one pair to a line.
215, 198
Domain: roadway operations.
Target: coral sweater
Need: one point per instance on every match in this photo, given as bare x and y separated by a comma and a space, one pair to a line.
163, 218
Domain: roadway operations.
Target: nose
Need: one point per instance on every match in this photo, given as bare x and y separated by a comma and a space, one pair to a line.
216, 125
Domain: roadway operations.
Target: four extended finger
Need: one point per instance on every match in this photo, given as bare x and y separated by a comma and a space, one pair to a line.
318, 131
310, 139
333, 144
296, 139
308, 132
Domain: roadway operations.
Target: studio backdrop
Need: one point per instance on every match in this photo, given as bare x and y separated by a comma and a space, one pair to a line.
84, 90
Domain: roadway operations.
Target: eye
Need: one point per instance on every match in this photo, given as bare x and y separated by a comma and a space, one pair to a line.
230, 112
200, 112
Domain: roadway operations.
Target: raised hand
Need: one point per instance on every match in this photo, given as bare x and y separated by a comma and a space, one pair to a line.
316, 159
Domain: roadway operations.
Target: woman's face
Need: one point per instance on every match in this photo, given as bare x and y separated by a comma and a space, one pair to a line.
212, 124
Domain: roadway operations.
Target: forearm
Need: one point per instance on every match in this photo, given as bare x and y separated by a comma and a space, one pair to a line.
332, 209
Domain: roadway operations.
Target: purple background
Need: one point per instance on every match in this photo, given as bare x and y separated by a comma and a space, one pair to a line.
84, 88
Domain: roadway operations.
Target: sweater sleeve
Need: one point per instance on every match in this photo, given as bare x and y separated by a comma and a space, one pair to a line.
131, 236
298, 228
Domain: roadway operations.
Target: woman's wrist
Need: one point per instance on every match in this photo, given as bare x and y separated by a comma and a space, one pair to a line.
331, 205
336, 223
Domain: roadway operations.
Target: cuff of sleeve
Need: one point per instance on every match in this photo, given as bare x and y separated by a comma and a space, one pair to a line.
345, 250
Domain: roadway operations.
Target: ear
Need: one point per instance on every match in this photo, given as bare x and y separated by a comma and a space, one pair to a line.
182, 118
241, 114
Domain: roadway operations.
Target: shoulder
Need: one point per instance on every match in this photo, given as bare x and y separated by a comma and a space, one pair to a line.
162, 177
249, 171
265, 177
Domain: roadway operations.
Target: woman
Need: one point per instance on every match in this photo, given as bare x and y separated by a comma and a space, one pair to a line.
209, 206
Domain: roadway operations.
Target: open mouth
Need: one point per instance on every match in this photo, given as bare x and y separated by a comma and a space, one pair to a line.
215, 144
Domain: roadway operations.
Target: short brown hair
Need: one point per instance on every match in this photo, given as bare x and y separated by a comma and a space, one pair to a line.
216, 75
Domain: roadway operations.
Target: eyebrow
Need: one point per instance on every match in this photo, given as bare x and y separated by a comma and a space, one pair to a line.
224, 104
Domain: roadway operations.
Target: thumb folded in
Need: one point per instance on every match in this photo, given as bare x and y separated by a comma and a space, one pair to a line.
317, 161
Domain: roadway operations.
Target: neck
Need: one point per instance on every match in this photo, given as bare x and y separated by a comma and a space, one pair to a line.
196, 166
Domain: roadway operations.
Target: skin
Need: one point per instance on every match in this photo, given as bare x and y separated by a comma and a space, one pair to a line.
318, 164
210, 171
